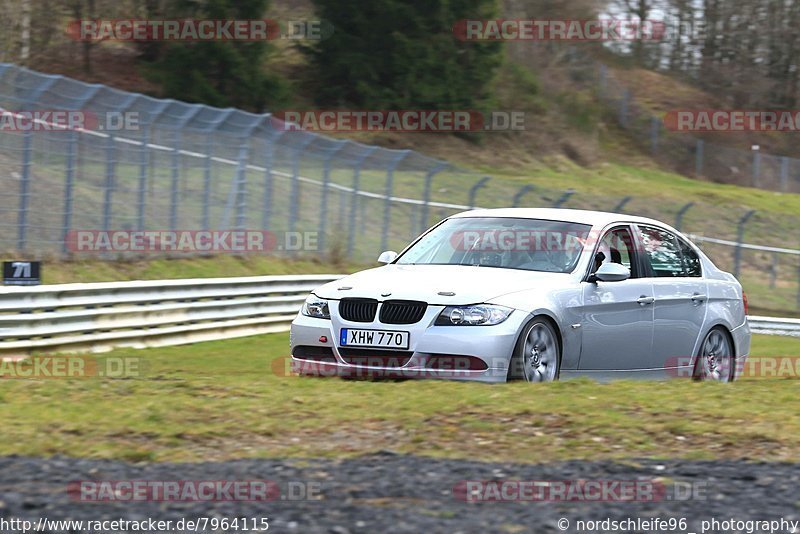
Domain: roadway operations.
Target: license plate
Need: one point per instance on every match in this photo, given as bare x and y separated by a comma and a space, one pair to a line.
385, 339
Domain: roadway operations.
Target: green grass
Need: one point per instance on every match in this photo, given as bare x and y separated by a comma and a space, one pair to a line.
91, 270
232, 399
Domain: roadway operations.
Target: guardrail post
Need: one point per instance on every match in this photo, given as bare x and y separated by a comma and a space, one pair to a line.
519, 194
698, 158
426, 194
111, 169
387, 204
737, 256
323, 202
351, 225
141, 193
568, 193
619, 207
473, 191
681, 212
24, 189
68, 189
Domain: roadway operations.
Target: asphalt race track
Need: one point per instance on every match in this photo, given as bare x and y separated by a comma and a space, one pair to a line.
395, 493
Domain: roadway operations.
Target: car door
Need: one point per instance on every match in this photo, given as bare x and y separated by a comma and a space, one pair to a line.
680, 295
617, 317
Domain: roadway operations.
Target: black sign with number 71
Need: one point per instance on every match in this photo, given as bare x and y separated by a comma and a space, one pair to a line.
22, 273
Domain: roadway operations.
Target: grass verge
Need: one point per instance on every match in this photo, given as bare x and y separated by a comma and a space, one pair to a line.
223, 400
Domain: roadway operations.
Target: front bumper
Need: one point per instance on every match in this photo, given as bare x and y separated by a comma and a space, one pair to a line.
429, 346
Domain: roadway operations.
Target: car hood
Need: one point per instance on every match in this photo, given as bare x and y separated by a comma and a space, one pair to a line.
469, 284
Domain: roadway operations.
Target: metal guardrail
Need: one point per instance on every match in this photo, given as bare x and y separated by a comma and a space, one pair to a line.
774, 325
100, 316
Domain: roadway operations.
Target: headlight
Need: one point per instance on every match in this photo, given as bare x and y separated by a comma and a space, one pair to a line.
316, 307
478, 315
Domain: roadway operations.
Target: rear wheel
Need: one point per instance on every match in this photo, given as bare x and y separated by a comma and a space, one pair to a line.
715, 361
537, 355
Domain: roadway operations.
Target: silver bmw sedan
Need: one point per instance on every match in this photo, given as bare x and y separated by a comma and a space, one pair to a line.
530, 294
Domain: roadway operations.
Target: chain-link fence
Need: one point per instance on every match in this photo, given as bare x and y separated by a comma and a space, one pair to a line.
693, 156
193, 167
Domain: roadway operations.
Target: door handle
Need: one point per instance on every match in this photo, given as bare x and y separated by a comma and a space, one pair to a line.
644, 300
697, 298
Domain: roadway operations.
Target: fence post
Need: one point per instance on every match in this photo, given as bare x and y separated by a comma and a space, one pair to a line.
737, 258
518, 195
681, 212
141, 193
623, 108
351, 224
173, 194
698, 158
655, 127
207, 182
784, 174
241, 186
568, 193
24, 187
323, 202
269, 155
426, 195
294, 197
109, 185
773, 271
798, 285
756, 165
387, 204
473, 191
68, 189
603, 81
619, 207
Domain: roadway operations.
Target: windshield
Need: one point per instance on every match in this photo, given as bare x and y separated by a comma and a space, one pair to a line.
528, 244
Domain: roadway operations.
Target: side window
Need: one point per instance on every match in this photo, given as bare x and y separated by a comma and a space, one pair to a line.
691, 261
616, 247
661, 250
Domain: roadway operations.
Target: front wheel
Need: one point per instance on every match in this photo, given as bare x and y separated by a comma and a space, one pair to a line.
537, 355
715, 360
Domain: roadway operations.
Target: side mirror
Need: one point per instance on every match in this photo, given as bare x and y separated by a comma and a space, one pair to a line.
610, 272
387, 256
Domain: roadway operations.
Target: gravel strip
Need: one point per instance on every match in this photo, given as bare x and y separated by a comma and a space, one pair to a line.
402, 493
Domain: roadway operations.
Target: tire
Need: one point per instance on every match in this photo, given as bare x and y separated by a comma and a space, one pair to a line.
537, 354
715, 360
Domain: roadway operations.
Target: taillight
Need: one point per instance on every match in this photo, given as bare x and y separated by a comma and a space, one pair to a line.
744, 301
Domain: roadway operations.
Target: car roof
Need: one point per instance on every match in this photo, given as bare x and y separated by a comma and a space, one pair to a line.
595, 218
